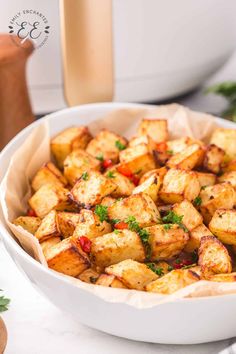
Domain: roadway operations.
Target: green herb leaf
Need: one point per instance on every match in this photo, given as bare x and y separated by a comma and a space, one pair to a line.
197, 201
171, 152
4, 302
110, 174
119, 145
116, 232
85, 176
100, 157
143, 233
167, 226
155, 269
172, 218
101, 212
114, 221
189, 266
170, 268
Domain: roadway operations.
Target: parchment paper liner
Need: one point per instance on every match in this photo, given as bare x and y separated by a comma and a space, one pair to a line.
15, 191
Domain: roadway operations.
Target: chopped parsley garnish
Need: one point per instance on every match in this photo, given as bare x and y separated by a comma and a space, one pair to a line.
116, 232
172, 218
171, 152
100, 157
119, 145
170, 268
110, 174
115, 221
155, 269
4, 302
85, 176
189, 266
93, 279
197, 201
101, 212
143, 234
167, 226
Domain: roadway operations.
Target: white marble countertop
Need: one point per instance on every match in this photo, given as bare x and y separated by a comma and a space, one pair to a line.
35, 326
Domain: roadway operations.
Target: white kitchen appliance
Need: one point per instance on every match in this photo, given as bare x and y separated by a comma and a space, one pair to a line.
124, 50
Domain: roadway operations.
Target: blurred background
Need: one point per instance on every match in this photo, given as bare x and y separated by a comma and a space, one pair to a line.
123, 50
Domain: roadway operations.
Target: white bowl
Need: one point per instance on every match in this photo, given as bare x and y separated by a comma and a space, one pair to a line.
186, 321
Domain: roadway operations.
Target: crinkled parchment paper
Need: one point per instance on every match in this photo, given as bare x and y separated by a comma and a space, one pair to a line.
15, 191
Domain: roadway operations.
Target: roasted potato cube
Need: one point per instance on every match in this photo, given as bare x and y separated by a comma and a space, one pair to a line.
173, 281
29, 223
150, 187
77, 163
48, 227
157, 129
67, 223
116, 247
159, 171
229, 166
106, 144
48, 173
178, 145
225, 278
191, 217
49, 197
46, 245
90, 225
226, 140
133, 274
110, 281
89, 276
213, 257
143, 139
213, 159
229, 177
195, 237
67, 257
68, 140
140, 206
216, 197
188, 158
91, 191
107, 201
179, 185
139, 165
205, 179
166, 241
223, 225
124, 185
132, 152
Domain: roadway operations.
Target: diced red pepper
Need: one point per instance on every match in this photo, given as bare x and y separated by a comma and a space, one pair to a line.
125, 171
162, 147
187, 262
121, 225
135, 179
177, 265
31, 212
85, 244
107, 163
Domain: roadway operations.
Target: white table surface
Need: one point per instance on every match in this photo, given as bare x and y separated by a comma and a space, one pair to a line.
35, 326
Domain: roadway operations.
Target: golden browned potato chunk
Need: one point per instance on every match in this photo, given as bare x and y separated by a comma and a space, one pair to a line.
116, 247
191, 217
110, 281
223, 225
107, 201
225, 278
213, 159
77, 163
48, 227
213, 257
67, 223
228, 177
195, 237
139, 165
140, 206
159, 171
226, 140
124, 185
173, 281
157, 129
46, 245
89, 276
179, 185
150, 187
132, 152
49, 197
67, 257
133, 274
178, 145
188, 158
68, 140
166, 241
91, 191
216, 197
29, 223
106, 144
206, 179
48, 173
90, 225
229, 166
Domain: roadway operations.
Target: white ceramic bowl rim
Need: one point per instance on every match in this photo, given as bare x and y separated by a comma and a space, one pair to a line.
14, 244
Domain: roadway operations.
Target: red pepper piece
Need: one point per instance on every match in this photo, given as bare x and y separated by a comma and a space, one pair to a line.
85, 244
31, 212
135, 179
162, 147
107, 163
121, 225
125, 171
